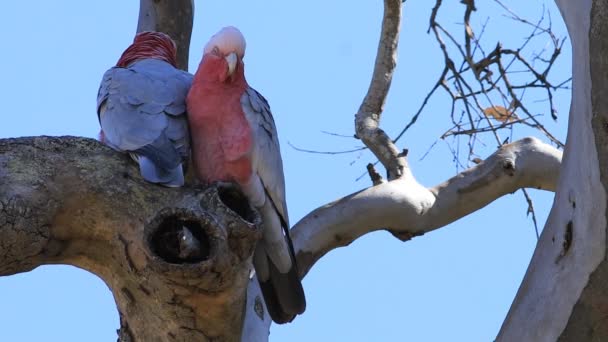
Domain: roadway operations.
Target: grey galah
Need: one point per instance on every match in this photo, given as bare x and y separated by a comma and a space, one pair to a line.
234, 139
142, 110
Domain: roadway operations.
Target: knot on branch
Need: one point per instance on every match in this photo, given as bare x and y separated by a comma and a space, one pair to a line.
508, 166
178, 236
405, 235
203, 240
232, 197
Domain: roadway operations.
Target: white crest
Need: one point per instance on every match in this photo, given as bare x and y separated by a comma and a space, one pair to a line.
228, 39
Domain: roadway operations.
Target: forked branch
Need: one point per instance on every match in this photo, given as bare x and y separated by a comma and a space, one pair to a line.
408, 209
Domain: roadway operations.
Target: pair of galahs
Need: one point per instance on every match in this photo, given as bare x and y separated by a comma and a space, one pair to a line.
161, 116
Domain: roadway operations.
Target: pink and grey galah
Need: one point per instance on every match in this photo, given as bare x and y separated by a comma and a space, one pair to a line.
234, 139
141, 107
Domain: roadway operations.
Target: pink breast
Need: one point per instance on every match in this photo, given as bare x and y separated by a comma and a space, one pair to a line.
221, 139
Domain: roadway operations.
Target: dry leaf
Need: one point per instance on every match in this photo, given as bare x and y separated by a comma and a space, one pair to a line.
500, 113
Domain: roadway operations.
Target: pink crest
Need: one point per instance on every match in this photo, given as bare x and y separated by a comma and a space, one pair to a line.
157, 45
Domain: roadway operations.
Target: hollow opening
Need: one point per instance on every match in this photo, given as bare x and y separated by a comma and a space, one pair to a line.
234, 199
180, 240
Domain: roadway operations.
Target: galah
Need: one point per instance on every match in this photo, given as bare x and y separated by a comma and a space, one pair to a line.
141, 105
234, 139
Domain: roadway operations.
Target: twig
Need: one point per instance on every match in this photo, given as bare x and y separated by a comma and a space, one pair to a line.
531, 211
374, 175
481, 82
325, 152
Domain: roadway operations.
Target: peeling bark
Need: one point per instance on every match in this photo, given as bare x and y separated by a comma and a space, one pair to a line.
73, 201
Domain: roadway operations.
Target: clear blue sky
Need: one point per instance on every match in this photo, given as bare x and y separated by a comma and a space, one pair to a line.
312, 60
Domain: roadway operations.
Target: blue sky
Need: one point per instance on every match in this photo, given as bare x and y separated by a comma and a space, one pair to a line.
313, 61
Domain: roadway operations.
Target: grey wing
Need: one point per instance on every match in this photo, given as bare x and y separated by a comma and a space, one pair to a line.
266, 156
274, 257
177, 129
142, 108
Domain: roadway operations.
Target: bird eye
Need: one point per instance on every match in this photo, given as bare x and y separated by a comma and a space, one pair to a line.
216, 50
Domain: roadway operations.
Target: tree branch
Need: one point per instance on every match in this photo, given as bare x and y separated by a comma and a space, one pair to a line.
479, 82
408, 209
74, 201
367, 119
173, 17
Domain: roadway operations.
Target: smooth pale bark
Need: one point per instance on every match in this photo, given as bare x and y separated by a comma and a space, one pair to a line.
408, 209
367, 118
564, 294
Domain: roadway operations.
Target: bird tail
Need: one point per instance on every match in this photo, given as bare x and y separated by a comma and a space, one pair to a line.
160, 162
152, 173
283, 292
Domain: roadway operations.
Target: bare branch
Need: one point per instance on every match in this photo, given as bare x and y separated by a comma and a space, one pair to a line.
374, 175
477, 81
367, 119
408, 209
531, 211
299, 149
424, 103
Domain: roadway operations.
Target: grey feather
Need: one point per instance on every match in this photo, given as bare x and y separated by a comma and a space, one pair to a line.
274, 258
151, 172
142, 109
267, 160
162, 152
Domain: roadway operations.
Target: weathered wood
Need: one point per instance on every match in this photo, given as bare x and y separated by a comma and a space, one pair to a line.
74, 201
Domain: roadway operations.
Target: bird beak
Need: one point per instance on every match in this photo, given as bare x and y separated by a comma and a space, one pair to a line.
231, 59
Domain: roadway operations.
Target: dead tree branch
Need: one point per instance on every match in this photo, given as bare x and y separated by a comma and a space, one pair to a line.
484, 98
367, 119
408, 209
59, 206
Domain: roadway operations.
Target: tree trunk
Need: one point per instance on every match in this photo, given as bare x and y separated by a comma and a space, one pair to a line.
173, 17
564, 294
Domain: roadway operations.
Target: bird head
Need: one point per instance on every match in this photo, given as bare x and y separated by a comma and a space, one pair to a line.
156, 45
223, 55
